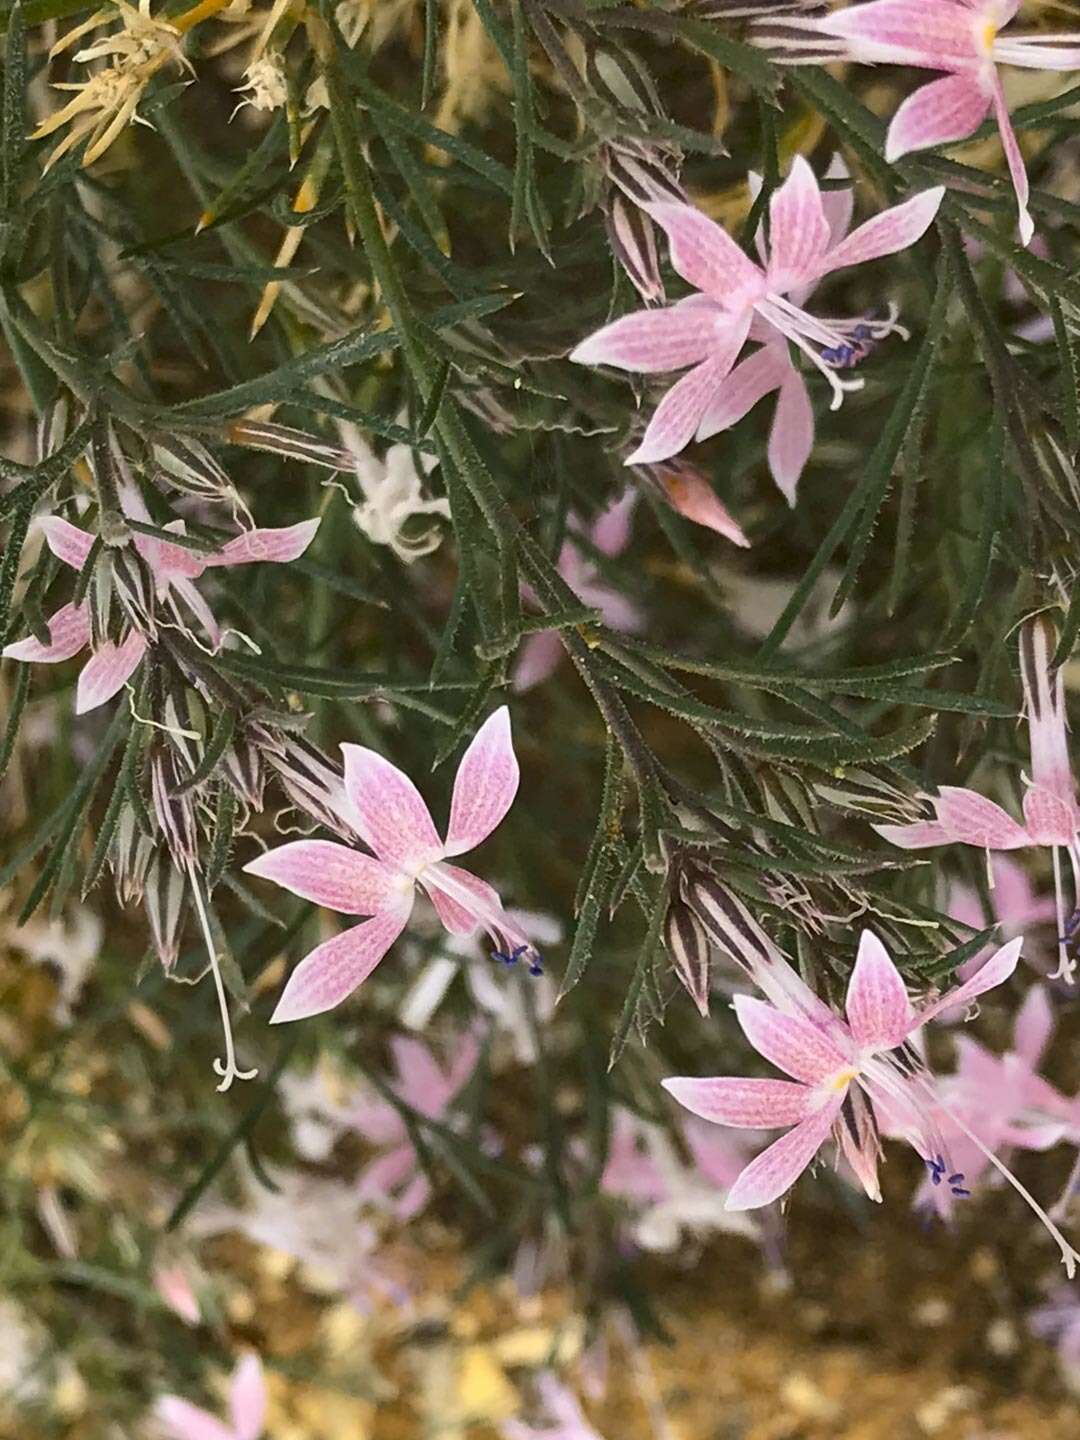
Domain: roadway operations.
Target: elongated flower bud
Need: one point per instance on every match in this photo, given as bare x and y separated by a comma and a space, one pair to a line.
688, 945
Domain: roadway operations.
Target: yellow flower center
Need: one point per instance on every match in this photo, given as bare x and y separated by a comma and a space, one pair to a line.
842, 1079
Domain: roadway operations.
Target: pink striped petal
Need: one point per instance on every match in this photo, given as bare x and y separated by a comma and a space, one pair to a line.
885, 234
390, 812
931, 34
878, 1010
791, 438
1015, 161
66, 541
691, 495
751, 379
798, 230
793, 1044
277, 546
464, 902
331, 875
680, 412
69, 631
107, 671
945, 110
171, 562
485, 785
746, 1104
652, 341
919, 836
184, 1421
334, 969
995, 972
247, 1398
706, 255
776, 1169
1048, 818
971, 819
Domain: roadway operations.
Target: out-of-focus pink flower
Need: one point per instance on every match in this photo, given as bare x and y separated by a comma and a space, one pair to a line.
1015, 902
1002, 1100
173, 1284
247, 1409
840, 1069
394, 1180
961, 37
564, 1420
1051, 814
390, 816
610, 534
705, 333
174, 569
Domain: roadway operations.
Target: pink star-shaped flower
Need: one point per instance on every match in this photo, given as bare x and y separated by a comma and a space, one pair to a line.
174, 569
741, 300
963, 38
390, 816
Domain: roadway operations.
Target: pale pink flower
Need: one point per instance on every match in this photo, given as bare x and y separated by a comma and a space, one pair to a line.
1015, 903
247, 1409
1002, 1100
174, 569
565, 1419
394, 1179
610, 534
961, 37
390, 816
838, 1068
1051, 814
771, 368
707, 331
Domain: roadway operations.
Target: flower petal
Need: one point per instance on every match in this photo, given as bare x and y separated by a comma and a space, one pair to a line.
651, 341
277, 546
776, 1169
971, 819
919, 836
538, 657
946, 109
390, 812
793, 1044
878, 1010
1049, 819
66, 541
1033, 1026
691, 495
184, 1421
995, 972
108, 671
791, 438
837, 204
1015, 161
464, 902
331, 875
247, 1398
746, 1104
334, 969
894, 229
798, 230
485, 785
751, 379
706, 255
932, 34
680, 412
69, 631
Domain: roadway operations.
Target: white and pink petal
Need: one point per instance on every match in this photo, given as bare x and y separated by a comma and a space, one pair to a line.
389, 811
331, 875
334, 969
485, 785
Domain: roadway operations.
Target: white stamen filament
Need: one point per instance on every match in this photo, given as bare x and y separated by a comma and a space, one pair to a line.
227, 1069
1066, 965
1060, 1207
